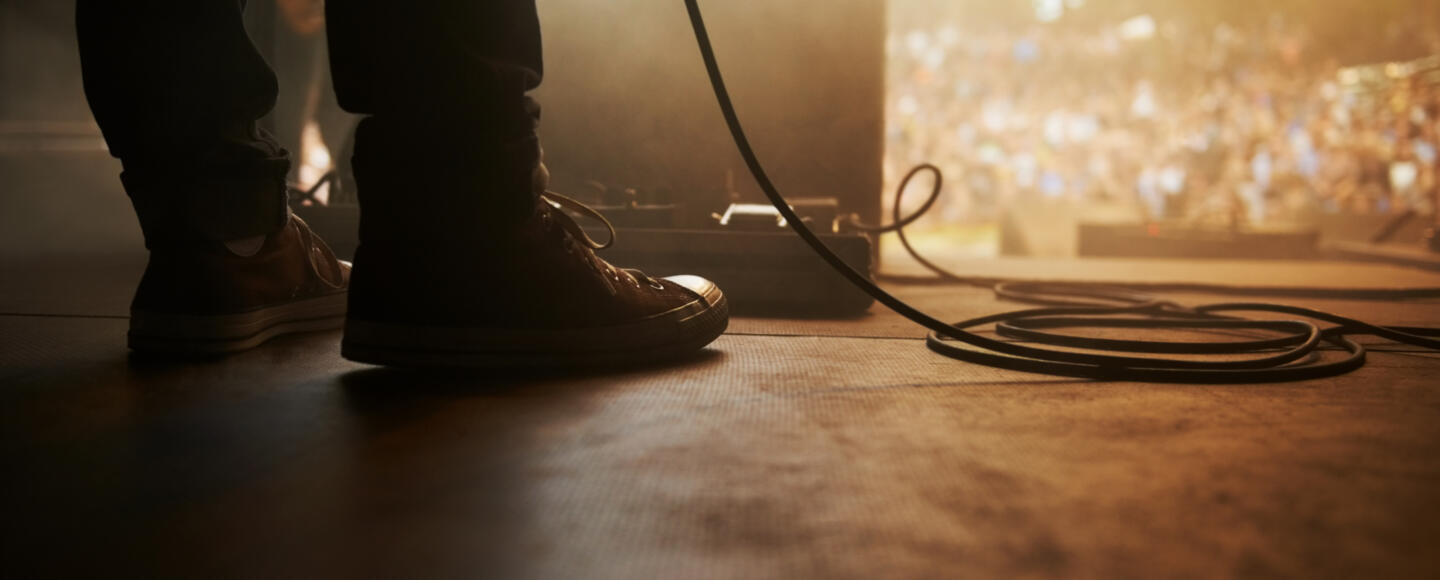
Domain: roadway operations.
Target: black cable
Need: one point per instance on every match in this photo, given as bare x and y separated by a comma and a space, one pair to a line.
1008, 287
1392, 226
1292, 356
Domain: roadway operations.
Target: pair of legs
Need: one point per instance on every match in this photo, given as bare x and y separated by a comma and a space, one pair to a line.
177, 88
463, 259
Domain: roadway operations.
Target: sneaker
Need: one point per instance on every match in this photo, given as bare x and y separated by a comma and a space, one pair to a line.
213, 298
533, 294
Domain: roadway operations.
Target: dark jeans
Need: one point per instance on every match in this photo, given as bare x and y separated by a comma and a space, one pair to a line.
177, 88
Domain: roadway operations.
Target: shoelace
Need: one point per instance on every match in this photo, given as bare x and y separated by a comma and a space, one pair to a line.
576, 232
563, 202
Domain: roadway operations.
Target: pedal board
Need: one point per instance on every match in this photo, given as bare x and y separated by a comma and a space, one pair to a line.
769, 273
763, 267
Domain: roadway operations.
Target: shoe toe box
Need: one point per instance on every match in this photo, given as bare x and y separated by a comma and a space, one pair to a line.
700, 286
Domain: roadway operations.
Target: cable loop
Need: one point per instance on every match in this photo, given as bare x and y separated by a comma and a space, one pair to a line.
1293, 355
935, 188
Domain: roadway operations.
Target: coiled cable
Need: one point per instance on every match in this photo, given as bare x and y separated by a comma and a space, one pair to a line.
1292, 355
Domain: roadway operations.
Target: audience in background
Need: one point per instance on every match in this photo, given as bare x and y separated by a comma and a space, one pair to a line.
1223, 124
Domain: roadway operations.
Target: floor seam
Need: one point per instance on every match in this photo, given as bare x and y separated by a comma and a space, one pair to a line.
796, 335
51, 315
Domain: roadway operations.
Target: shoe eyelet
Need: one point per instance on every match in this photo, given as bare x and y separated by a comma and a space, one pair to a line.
657, 285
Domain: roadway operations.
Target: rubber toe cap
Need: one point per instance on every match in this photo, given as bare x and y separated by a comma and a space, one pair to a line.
700, 286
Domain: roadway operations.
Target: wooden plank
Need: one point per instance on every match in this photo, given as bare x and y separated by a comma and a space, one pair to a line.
765, 457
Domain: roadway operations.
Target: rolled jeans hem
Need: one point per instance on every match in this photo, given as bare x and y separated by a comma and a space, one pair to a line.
225, 205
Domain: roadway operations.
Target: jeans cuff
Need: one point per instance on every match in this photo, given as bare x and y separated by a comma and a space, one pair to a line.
238, 200
442, 188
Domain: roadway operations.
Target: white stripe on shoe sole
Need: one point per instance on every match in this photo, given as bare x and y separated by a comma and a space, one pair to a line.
218, 334
677, 332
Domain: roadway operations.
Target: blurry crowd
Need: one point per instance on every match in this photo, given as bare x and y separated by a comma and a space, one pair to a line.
1217, 123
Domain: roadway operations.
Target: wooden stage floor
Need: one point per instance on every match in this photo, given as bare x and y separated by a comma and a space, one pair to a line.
790, 449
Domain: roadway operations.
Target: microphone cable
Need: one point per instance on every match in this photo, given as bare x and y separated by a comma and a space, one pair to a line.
1291, 356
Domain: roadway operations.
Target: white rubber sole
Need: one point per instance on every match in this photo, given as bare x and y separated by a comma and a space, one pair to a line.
661, 337
153, 332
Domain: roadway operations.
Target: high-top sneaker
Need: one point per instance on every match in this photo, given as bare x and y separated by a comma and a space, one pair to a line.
528, 294
214, 297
